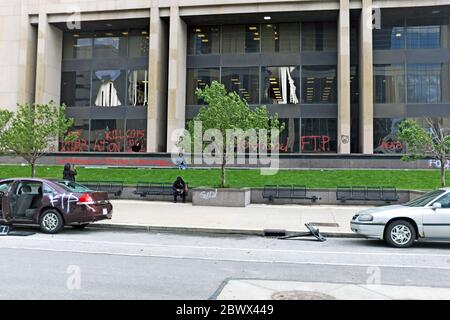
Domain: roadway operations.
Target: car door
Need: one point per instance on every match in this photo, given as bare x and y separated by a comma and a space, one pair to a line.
436, 222
6, 189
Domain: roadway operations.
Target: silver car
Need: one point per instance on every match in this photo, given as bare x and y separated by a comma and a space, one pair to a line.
401, 225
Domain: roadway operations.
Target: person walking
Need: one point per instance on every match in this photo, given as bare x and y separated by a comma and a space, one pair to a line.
69, 172
179, 189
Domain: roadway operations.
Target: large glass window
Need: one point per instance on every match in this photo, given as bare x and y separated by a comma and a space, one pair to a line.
424, 83
136, 135
319, 36
81, 143
290, 136
318, 135
110, 44
241, 38
427, 33
76, 88
391, 35
319, 84
204, 40
243, 81
108, 88
78, 46
199, 79
139, 43
389, 83
138, 88
283, 37
107, 135
281, 85
423, 37
385, 136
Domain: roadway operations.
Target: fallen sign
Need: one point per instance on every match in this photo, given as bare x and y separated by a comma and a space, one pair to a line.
312, 232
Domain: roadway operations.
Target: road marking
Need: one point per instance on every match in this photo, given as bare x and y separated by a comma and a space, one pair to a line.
243, 249
230, 259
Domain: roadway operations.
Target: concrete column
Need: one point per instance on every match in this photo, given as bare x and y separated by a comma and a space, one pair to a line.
176, 106
17, 55
48, 62
343, 136
27, 60
366, 79
157, 111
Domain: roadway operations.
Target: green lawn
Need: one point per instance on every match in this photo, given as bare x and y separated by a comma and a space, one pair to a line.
402, 179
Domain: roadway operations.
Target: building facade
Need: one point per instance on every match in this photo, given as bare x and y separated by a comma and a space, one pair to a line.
339, 73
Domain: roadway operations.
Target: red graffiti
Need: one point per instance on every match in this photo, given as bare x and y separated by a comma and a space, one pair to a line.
114, 162
78, 145
114, 139
318, 143
390, 145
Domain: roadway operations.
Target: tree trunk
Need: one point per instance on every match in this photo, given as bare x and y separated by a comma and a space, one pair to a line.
33, 169
223, 177
443, 162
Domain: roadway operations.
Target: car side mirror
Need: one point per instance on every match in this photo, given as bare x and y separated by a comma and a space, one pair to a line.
437, 205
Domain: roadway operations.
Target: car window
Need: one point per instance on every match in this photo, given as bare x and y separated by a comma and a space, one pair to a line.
425, 199
73, 186
444, 201
4, 186
29, 187
47, 189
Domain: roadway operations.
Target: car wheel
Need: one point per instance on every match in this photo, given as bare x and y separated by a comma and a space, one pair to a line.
400, 234
51, 222
80, 226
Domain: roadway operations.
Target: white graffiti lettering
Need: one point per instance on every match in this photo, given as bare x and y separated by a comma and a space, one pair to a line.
64, 199
208, 195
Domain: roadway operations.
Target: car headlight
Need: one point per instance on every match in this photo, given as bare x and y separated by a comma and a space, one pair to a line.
365, 217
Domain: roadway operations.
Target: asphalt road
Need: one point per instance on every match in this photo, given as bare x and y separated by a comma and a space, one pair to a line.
102, 264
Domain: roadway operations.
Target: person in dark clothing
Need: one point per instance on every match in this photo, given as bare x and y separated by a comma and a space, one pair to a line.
137, 147
69, 172
179, 189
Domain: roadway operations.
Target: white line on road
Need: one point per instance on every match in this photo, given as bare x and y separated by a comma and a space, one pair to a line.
229, 259
90, 242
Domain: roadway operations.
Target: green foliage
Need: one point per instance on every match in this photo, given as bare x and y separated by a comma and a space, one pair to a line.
5, 117
317, 179
227, 111
421, 143
32, 128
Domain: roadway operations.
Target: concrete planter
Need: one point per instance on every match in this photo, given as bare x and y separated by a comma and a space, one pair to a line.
221, 197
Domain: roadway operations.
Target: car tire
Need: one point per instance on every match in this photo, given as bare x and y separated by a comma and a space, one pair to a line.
51, 222
80, 226
400, 234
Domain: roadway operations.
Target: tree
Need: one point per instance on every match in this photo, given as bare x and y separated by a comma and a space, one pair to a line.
29, 131
5, 116
227, 111
421, 143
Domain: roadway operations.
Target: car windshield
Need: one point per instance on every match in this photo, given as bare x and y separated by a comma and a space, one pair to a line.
425, 199
73, 186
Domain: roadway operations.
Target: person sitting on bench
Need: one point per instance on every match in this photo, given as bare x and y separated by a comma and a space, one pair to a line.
179, 189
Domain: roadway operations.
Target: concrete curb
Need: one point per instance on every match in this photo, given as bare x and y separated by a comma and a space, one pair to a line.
202, 230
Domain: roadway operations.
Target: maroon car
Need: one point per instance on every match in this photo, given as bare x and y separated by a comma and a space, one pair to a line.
51, 204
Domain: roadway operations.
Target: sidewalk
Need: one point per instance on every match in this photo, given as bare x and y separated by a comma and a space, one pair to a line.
166, 216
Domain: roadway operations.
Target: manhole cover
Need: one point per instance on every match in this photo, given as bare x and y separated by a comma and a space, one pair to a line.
301, 295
